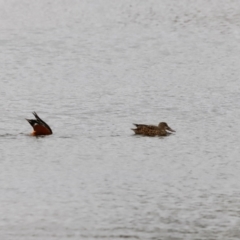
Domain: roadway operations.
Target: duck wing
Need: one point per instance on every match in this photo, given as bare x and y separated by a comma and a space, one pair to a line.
41, 122
150, 127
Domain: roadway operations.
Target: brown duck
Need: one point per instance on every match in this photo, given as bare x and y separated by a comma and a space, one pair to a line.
39, 126
151, 130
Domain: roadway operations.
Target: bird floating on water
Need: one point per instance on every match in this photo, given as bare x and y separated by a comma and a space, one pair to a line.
39, 126
151, 130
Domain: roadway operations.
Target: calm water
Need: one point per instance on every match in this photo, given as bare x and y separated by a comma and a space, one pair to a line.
92, 68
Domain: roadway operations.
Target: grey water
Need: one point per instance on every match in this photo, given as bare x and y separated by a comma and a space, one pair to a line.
92, 68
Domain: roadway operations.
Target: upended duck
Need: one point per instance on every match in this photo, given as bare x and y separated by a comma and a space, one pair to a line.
150, 130
39, 126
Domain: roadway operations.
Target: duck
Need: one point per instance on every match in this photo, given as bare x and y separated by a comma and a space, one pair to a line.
39, 126
152, 130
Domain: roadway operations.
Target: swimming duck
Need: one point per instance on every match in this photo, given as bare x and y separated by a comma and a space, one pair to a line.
39, 126
151, 130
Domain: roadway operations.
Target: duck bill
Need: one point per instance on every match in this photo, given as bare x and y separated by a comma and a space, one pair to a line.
171, 130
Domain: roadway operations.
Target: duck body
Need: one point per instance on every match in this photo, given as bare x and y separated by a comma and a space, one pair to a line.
39, 126
151, 130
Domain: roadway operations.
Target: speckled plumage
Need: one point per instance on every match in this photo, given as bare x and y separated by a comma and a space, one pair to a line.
151, 130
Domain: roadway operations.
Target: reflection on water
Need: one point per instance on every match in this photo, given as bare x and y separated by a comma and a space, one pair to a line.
94, 68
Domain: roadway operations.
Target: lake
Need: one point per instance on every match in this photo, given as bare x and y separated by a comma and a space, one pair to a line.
91, 69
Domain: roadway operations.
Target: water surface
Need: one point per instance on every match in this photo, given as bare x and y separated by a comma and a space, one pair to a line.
92, 68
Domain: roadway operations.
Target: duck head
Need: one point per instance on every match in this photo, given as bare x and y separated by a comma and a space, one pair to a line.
163, 125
